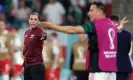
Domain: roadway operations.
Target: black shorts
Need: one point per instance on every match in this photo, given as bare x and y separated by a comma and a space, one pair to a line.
81, 75
122, 76
35, 72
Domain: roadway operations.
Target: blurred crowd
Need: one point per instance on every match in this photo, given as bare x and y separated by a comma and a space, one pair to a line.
15, 14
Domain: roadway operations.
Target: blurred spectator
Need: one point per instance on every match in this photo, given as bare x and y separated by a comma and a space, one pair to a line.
6, 55
21, 14
79, 58
58, 60
54, 11
78, 3
75, 11
37, 7
85, 13
17, 53
53, 57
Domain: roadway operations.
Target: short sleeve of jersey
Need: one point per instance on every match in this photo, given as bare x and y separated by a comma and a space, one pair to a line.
43, 35
89, 27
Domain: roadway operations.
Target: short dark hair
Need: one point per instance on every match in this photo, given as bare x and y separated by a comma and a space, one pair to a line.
100, 6
114, 18
54, 34
35, 13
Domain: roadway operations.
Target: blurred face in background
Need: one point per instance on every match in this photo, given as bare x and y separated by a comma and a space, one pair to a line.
53, 36
116, 23
2, 26
34, 21
81, 37
115, 19
21, 4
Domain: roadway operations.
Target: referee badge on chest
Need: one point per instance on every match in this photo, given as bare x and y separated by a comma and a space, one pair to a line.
32, 36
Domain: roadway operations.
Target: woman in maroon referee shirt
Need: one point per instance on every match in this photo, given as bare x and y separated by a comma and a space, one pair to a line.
34, 68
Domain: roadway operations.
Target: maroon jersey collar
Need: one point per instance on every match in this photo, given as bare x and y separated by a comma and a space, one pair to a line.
33, 28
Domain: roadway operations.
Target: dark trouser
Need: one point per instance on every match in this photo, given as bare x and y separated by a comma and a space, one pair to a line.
122, 76
81, 75
35, 72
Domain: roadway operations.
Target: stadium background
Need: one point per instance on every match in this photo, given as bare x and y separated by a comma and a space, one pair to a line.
75, 14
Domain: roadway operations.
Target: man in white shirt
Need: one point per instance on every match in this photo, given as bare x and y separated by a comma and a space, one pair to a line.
54, 11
